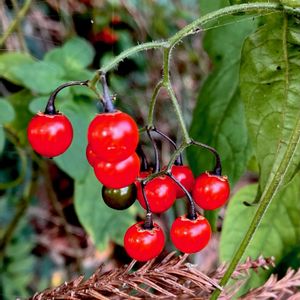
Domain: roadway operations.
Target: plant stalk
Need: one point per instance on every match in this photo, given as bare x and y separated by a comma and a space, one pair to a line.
15, 23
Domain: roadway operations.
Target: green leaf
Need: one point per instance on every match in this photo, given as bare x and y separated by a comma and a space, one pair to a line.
219, 118
207, 6
20, 102
7, 113
278, 233
270, 90
41, 76
102, 223
73, 161
10, 60
38, 104
76, 53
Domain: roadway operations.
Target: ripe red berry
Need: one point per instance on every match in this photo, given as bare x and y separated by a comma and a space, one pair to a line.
160, 193
91, 156
211, 191
113, 136
118, 174
185, 176
190, 236
144, 244
50, 135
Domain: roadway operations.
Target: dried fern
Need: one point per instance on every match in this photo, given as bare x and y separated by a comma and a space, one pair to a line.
173, 277
283, 289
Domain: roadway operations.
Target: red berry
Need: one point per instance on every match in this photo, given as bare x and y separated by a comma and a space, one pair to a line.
190, 236
144, 244
185, 176
160, 193
117, 175
106, 35
113, 136
50, 135
211, 191
91, 156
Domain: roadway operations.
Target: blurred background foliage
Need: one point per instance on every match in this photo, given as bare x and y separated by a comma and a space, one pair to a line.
53, 223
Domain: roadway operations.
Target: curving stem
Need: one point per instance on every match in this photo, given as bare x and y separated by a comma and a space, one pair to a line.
218, 166
156, 158
149, 220
144, 162
50, 107
178, 161
192, 208
108, 105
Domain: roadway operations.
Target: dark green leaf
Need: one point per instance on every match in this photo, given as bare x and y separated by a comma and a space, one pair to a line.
270, 89
218, 118
77, 53
10, 60
102, 223
42, 77
73, 161
278, 232
7, 113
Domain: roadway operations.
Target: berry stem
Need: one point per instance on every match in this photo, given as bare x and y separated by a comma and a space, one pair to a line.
178, 161
218, 166
141, 153
149, 220
50, 107
167, 84
153, 102
175, 155
108, 105
192, 209
156, 157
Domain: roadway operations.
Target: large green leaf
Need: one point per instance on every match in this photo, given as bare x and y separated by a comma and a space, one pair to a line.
219, 119
278, 233
270, 89
42, 77
11, 59
73, 161
77, 53
102, 223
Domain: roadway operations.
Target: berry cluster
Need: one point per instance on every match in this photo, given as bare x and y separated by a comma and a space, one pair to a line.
113, 144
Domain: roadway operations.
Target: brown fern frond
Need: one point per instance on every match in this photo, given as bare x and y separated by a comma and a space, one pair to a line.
172, 277
283, 289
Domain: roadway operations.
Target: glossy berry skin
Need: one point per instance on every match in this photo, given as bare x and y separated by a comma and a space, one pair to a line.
144, 244
190, 236
211, 191
160, 193
119, 199
91, 156
50, 135
118, 174
113, 136
185, 176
